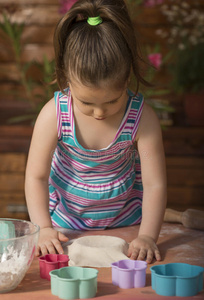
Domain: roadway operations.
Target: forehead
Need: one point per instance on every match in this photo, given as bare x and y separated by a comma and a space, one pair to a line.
102, 93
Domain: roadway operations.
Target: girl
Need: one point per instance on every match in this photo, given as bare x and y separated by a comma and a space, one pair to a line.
96, 159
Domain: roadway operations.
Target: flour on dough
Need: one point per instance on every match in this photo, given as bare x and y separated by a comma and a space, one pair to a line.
96, 251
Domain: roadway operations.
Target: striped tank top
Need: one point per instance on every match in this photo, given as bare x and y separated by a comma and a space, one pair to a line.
95, 189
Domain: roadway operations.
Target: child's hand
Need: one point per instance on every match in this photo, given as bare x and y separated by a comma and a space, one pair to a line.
143, 248
49, 241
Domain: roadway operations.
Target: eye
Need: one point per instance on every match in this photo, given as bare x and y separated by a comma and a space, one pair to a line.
85, 103
113, 101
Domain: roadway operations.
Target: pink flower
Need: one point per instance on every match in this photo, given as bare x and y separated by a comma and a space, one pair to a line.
65, 5
155, 59
151, 3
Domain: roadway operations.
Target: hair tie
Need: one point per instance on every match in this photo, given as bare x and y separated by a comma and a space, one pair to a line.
93, 21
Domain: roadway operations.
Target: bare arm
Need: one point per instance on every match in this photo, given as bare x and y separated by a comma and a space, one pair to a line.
43, 144
150, 147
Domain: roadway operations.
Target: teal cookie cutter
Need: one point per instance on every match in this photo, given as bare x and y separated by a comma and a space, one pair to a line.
74, 282
177, 279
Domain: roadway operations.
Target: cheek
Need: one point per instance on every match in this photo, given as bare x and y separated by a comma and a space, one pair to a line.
85, 109
117, 108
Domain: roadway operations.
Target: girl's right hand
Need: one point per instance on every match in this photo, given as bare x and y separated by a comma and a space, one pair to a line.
49, 241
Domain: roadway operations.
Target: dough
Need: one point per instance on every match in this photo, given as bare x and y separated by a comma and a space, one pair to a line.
96, 251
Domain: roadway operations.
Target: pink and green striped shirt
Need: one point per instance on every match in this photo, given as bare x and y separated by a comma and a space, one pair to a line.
96, 189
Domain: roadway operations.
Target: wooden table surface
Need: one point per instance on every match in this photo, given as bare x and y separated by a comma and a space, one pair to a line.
176, 243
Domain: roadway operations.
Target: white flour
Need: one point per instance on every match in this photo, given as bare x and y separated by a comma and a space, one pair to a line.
171, 229
13, 266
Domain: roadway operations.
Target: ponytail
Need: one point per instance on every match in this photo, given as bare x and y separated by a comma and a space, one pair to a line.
107, 51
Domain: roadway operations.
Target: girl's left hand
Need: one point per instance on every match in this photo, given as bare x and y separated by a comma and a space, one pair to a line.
144, 247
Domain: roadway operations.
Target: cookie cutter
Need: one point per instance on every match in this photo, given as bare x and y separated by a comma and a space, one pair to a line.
7, 231
177, 279
51, 262
74, 282
129, 273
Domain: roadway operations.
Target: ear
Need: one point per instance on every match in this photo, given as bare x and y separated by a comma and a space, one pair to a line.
127, 83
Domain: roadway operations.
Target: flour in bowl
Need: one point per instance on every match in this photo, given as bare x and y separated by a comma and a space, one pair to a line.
13, 266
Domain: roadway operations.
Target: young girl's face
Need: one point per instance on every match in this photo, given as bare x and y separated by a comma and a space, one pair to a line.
101, 102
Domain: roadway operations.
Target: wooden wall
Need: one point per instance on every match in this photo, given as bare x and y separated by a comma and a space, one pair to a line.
184, 146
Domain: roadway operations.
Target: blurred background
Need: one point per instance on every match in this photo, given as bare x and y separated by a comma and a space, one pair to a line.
171, 34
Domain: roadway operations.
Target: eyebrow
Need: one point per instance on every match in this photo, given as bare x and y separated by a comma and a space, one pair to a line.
105, 102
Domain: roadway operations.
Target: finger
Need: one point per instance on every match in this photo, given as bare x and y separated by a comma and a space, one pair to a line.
58, 246
134, 253
62, 237
157, 255
37, 251
131, 249
142, 254
150, 256
43, 250
51, 247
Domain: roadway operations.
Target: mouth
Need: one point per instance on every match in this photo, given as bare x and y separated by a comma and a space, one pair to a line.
99, 119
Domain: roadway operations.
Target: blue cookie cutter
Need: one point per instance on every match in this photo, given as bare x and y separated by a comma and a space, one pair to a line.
74, 282
177, 279
129, 273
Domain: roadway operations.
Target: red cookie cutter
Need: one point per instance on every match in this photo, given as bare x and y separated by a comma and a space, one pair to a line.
50, 262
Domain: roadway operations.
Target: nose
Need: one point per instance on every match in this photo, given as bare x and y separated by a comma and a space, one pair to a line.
99, 112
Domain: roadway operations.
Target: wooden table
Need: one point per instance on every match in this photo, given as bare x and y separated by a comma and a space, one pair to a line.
176, 243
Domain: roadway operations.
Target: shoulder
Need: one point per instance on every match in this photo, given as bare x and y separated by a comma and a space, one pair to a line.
47, 119
149, 123
48, 112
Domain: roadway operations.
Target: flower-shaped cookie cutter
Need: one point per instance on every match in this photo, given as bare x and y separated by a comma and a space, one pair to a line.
74, 282
51, 262
177, 279
129, 274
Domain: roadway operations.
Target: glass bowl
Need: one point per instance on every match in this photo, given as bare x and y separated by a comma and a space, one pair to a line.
18, 241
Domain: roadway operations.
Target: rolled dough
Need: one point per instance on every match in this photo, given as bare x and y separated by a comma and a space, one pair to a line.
96, 251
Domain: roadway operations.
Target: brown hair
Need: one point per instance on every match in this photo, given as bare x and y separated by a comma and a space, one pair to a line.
91, 54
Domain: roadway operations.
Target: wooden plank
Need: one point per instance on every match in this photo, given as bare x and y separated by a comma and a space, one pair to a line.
14, 145
10, 73
15, 138
32, 34
38, 34
13, 162
185, 196
29, 2
12, 94
13, 205
39, 14
30, 52
183, 132
183, 148
11, 182
185, 177
184, 162
184, 141
16, 131
151, 16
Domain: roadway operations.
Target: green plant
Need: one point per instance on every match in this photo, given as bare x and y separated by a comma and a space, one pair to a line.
188, 69
185, 39
35, 91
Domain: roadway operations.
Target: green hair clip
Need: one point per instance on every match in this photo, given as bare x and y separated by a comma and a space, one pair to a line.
93, 21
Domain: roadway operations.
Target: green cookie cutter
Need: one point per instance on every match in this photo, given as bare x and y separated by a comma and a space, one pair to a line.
7, 231
74, 282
